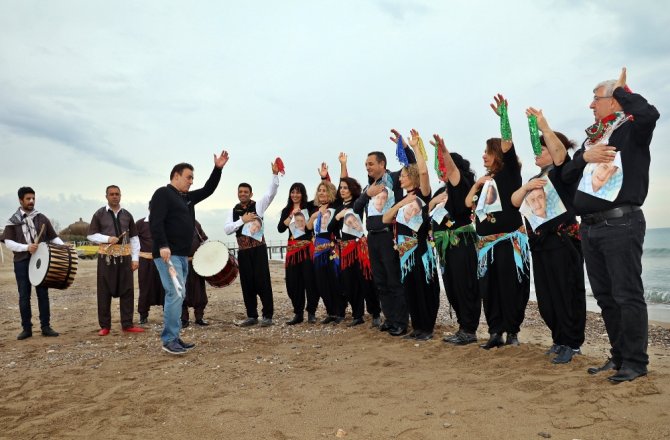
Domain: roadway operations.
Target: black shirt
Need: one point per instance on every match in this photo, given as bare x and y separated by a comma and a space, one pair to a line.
508, 180
287, 211
459, 214
172, 218
632, 139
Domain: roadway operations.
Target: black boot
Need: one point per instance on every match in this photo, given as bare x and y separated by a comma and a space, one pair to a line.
297, 319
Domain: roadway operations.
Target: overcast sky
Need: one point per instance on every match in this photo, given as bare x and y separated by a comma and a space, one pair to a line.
96, 92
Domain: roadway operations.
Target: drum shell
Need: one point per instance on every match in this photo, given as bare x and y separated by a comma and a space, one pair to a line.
61, 268
214, 262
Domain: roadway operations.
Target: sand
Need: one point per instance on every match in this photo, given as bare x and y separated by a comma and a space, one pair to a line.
306, 381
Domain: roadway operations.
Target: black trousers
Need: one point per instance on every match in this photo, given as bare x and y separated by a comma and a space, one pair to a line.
613, 256
558, 272
326, 280
423, 296
300, 287
504, 295
151, 289
459, 273
359, 291
115, 280
21, 270
386, 274
255, 280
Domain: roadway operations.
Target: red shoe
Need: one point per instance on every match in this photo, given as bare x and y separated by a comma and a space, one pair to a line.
103, 332
133, 329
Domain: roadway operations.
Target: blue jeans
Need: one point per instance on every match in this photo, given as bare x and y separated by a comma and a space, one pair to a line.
173, 302
613, 256
23, 283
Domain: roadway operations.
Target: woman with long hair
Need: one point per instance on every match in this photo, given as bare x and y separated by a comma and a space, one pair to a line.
326, 258
356, 281
502, 250
298, 265
417, 260
456, 242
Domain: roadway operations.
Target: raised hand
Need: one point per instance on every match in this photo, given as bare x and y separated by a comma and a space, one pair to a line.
221, 161
343, 158
323, 170
396, 136
542, 123
275, 168
413, 138
621, 82
498, 99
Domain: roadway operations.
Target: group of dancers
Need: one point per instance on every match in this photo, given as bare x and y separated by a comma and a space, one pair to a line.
476, 234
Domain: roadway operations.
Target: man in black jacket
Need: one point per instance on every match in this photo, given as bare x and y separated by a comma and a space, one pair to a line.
613, 225
172, 224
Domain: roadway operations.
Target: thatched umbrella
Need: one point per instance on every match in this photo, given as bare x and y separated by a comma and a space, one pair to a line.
76, 231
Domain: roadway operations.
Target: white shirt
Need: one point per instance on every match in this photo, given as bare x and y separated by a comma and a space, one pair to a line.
230, 227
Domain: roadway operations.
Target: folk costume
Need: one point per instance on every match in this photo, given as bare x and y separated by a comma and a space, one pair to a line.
196, 290
418, 272
21, 230
456, 245
503, 257
326, 269
355, 270
115, 274
151, 289
558, 269
252, 255
299, 267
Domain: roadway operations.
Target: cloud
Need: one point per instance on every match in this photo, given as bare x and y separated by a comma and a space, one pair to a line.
50, 121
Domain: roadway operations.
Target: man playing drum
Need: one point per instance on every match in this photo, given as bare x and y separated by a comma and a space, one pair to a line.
21, 235
172, 224
252, 255
113, 228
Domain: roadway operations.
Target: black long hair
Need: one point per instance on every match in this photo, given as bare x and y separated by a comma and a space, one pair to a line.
303, 200
354, 188
463, 166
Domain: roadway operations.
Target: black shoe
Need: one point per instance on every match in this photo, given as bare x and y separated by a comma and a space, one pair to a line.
410, 335
185, 323
461, 338
397, 331
248, 322
376, 322
554, 349
266, 322
495, 340
385, 326
423, 336
328, 319
608, 365
25, 334
48, 331
626, 374
565, 355
297, 319
338, 319
144, 320
186, 345
355, 322
201, 322
311, 318
512, 339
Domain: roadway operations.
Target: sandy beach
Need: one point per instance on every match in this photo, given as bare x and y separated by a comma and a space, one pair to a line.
306, 381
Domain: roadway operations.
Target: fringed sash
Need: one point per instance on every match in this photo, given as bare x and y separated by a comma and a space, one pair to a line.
298, 251
519, 241
452, 237
352, 251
